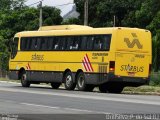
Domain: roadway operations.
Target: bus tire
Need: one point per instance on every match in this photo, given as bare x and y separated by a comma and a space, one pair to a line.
24, 81
115, 88
103, 88
90, 88
55, 85
81, 85
68, 81
111, 88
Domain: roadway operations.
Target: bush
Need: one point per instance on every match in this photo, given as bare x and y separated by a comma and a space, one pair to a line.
155, 79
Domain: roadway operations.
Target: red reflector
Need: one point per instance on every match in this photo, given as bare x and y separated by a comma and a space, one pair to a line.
111, 65
111, 69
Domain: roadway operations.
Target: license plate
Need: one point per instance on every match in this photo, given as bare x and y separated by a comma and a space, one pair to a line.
132, 74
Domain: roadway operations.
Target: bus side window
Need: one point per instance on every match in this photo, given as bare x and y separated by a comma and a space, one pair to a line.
62, 43
68, 42
74, 43
38, 43
98, 42
29, 43
47, 43
14, 47
106, 42
56, 43
83, 43
90, 41
34, 43
50, 43
23, 44
79, 39
43, 44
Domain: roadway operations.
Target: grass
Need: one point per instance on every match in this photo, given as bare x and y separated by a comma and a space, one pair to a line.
146, 90
8, 80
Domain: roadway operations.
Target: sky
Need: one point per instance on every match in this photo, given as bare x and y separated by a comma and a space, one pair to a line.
64, 9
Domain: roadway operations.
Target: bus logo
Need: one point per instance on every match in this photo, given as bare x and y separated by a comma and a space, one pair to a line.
134, 42
87, 64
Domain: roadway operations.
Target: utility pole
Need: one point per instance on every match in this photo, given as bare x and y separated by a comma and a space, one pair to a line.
40, 14
86, 12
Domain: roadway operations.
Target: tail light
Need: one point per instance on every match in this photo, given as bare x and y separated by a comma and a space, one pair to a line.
111, 66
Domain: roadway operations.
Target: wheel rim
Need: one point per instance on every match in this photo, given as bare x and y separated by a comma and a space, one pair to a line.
68, 80
81, 81
23, 78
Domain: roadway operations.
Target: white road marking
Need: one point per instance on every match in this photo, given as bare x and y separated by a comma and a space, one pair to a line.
71, 109
36, 105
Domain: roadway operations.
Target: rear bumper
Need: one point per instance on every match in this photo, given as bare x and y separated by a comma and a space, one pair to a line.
98, 79
131, 81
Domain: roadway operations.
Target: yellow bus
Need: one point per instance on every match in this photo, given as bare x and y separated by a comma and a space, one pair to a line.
82, 56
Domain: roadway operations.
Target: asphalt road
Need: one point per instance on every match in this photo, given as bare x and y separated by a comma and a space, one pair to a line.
42, 102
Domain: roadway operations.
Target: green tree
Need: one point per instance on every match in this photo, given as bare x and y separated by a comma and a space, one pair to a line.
51, 16
15, 17
101, 13
5, 4
156, 51
27, 19
3, 54
11, 4
154, 26
71, 21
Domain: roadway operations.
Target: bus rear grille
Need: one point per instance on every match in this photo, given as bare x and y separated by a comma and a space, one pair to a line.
102, 69
102, 72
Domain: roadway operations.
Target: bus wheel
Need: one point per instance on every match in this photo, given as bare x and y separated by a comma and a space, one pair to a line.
68, 81
81, 85
115, 88
90, 88
55, 85
103, 88
24, 81
111, 88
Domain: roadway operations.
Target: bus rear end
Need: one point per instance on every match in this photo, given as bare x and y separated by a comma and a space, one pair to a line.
133, 56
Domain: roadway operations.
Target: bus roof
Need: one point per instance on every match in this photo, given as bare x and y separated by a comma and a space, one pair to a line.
63, 27
61, 30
